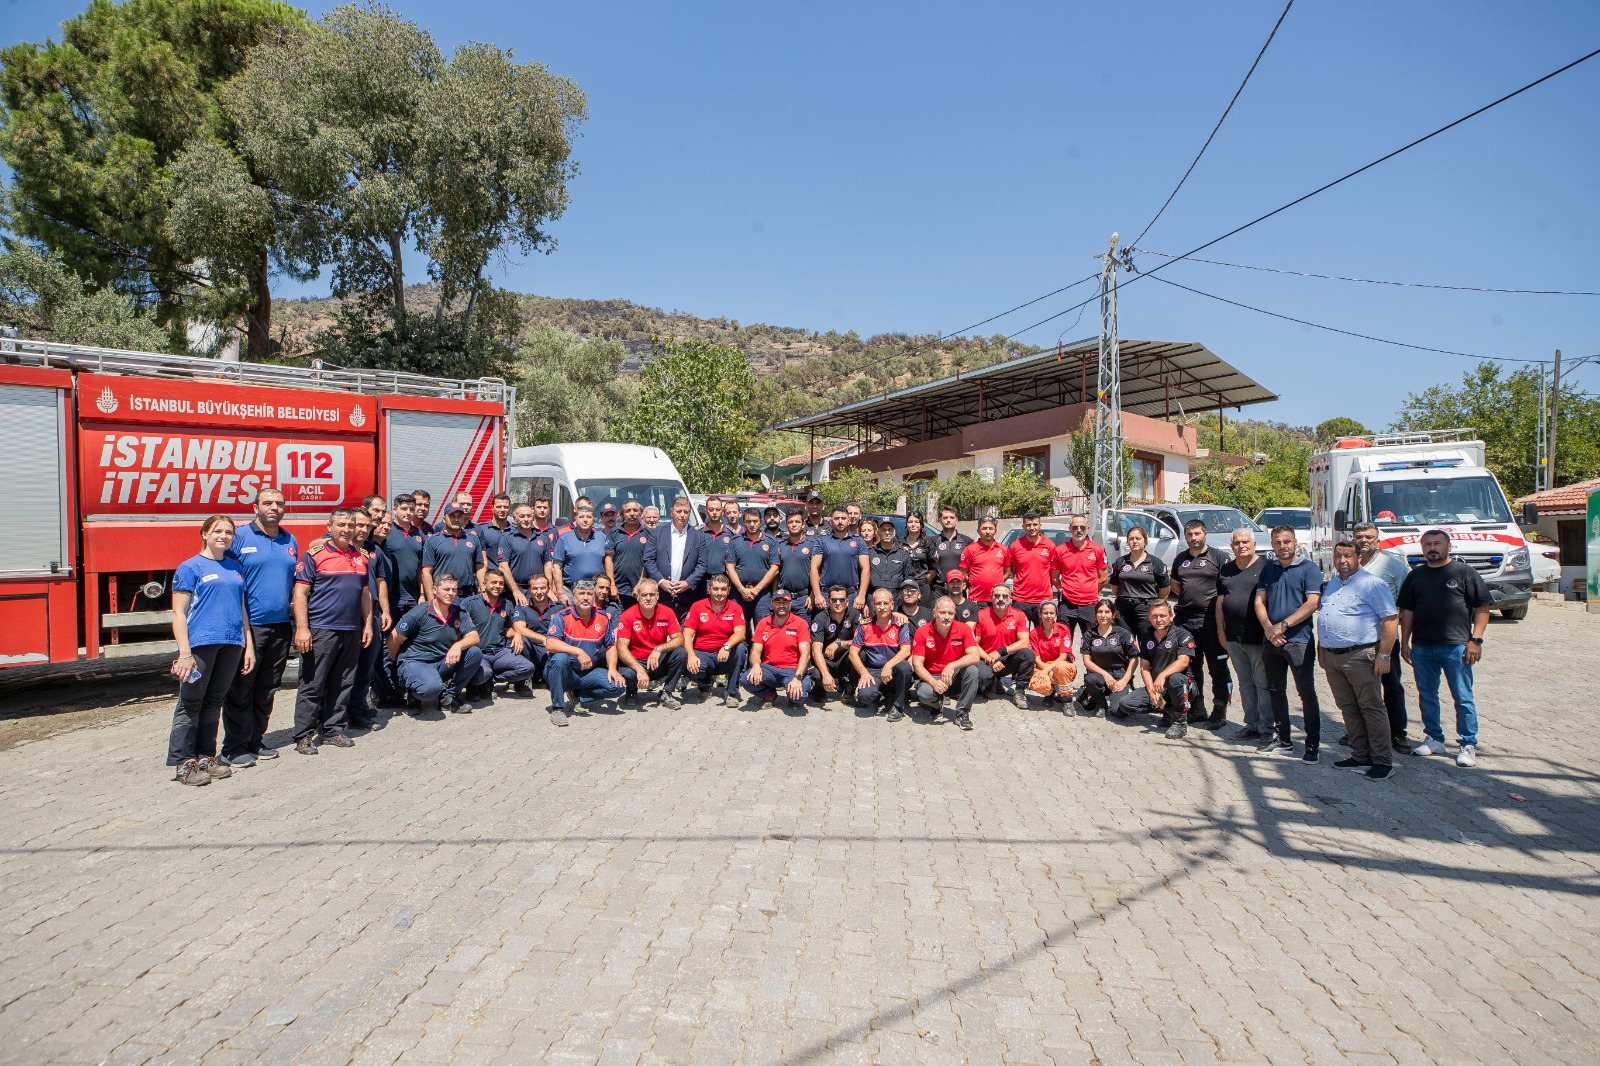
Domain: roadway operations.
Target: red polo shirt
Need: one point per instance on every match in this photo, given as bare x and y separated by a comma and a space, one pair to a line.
985, 567
1080, 572
645, 635
995, 633
939, 652
780, 645
1032, 564
1047, 649
712, 627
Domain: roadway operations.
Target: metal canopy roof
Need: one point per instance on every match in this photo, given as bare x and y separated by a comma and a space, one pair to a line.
1159, 379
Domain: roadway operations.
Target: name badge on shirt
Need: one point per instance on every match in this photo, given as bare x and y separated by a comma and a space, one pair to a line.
248, 550
208, 577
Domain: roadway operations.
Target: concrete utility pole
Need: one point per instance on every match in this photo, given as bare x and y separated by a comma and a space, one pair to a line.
1110, 479
1555, 416
1541, 454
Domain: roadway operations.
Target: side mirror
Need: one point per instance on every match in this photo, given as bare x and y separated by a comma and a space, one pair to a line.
1530, 514
1339, 520
1164, 533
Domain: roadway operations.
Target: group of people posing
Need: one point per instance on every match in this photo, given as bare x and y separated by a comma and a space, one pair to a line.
622, 605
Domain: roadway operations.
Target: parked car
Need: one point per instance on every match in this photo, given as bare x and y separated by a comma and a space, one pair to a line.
1296, 518
1545, 558
899, 521
1057, 534
1163, 524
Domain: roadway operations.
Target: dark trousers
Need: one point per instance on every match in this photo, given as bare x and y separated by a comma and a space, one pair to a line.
842, 669
668, 674
368, 662
871, 685
1096, 695
428, 682
964, 686
327, 677
1016, 664
1031, 610
503, 664
535, 654
1394, 698
680, 604
1210, 653
1299, 659
1077, 617
711, 669
244, 718
1179, 696
195, 719
1135, 616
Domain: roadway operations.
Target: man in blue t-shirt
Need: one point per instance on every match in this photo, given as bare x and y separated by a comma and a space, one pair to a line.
1286, 598
577, 555
840, 559
268, 554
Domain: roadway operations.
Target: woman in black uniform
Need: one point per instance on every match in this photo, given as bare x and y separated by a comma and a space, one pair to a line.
1110, 655
1140, 579
920, 548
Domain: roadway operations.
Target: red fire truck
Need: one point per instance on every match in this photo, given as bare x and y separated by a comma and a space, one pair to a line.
110, 460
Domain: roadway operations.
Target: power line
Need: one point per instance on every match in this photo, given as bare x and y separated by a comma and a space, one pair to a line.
1374, 281
1218, 126
1346, 332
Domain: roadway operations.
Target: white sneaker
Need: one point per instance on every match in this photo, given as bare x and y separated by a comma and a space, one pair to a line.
1429, 746
1468, 755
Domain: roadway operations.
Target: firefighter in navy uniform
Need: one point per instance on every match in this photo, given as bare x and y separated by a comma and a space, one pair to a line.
454, 550
521, 553
537, 614
495, 616
752, 567
333, 622
435, 648
1196, 575
794, 565
1164, 655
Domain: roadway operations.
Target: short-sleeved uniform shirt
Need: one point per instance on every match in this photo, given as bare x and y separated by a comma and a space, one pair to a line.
915, 619
491, 535
380, 567
406, 546
1197, 578
539, 618
968, 611
216, 607
752, 559
1111, 651
524, 553
826, 629
627, 557
1237, 587
457, 555
995, 633
1033, 565
1080, 572
878, 644
1141, 581
1047, 648
719, 549
268, 564
593, 634
645, 635
337, 580
841, 561
780, 643
492, 622
940, 651
428, 635
580, 557
985, 565
887, 567
1161, 652
947, 554
713, 626
1286, 589
794, 564
1442, 600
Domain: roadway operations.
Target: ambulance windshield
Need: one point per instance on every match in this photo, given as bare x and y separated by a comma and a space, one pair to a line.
1436, 501
649, 493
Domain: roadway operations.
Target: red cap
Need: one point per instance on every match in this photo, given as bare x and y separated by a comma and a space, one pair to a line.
951, 575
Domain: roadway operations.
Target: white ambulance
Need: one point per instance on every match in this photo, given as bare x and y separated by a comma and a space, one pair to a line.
1408, 483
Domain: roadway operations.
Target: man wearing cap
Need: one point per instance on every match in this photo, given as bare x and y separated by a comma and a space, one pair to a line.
772, 522
780, 652
713, 641
583, 654
1006, 650
1032, 560
650, 647
832, 632
579, 554
794, 565
435, 649
911, 604
453, 549
674, 558
945, 659
752, 567
947, 548
841, 559
888, 563
608, 518
816, 522
1082, 566
625, 552
955, 583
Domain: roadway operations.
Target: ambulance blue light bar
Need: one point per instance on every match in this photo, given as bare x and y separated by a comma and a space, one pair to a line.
1420, 464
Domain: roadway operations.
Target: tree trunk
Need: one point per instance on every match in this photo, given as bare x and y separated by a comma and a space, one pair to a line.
258, 316
398, 284
472, 304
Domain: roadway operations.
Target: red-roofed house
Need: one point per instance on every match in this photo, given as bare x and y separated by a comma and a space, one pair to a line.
1562, 513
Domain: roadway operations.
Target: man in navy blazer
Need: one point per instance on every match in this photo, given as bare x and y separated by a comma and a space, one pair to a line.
682, 585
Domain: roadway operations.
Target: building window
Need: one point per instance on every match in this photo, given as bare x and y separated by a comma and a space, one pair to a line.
1145, 484
916, 486
1574, 551
1036, 460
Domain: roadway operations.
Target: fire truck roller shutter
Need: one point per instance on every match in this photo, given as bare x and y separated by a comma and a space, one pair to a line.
444, 454
30, 439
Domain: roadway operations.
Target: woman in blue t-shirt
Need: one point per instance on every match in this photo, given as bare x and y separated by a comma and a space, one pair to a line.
212, 628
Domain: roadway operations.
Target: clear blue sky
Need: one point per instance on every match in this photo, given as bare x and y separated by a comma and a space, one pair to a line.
917, 167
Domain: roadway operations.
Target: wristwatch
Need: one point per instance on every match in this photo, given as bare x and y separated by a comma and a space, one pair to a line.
1475, 640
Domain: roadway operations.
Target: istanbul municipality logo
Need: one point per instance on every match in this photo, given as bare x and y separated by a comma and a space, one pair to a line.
107, 401
357, 419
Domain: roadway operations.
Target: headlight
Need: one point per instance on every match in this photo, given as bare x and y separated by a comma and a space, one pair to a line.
1517, 560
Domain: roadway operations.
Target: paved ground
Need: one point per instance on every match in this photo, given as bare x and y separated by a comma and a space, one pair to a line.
706, 886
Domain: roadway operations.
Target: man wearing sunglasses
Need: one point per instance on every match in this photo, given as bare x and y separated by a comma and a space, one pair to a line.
1082, 565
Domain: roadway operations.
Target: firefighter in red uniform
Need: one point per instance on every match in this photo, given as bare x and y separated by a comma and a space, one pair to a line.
333, 622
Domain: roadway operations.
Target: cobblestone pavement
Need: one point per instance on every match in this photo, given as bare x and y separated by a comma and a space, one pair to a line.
711, 886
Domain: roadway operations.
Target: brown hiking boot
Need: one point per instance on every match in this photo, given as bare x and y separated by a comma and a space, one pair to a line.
217, 771
305, 746
189, 773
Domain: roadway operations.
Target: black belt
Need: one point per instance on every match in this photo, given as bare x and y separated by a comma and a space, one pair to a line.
1353, 647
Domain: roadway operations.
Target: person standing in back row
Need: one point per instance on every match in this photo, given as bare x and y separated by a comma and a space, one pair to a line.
1139, 580
268, 553
1237, 622
1033, 563
332, 623
1392, 571
212, 628
986, 563
1286, 599
947, 548
840, 559
1196, 573
1082, 566
1444, 611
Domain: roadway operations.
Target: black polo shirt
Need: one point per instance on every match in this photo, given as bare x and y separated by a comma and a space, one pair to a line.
1111, 652
1139, 581
1196, 577
1238, 590
947, 555
825, 629
428, 635
627, 557
1161, 652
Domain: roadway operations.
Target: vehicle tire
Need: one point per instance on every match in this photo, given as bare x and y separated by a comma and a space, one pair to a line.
1515, 614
